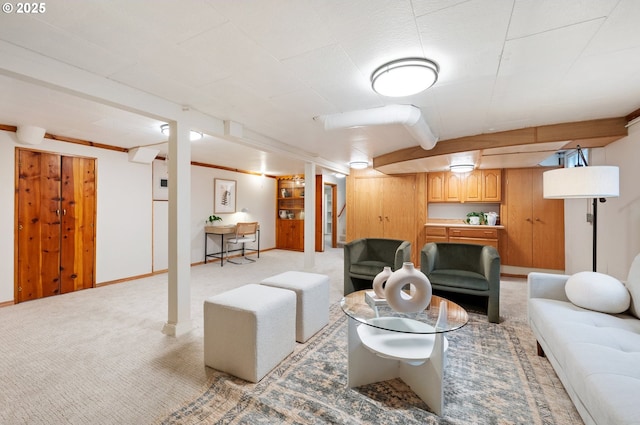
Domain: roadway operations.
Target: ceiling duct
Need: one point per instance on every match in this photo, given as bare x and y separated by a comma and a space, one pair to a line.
408, 115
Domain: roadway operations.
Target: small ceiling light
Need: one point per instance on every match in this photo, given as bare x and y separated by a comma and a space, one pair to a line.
461, 168
358, 165
404, 77
193, 135
339, 175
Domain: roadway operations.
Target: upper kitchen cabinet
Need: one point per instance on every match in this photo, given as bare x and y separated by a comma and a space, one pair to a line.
475, 186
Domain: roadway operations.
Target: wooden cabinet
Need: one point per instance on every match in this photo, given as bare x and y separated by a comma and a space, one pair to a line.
383, 207
476, 236
485, 235
55, 221
435, 187
534, 225
491, 185
475, 186
290, 213
436, 234
290, 234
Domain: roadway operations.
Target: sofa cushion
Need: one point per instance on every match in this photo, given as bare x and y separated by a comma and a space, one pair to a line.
633, 285
597, 291
459, 279
368, 268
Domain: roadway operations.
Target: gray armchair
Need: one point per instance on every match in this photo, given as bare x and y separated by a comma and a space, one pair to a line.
365, 258
464, 268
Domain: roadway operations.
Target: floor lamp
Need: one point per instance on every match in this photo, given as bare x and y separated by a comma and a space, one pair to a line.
582, 181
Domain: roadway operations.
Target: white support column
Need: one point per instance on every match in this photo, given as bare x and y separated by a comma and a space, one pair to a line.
179, 295
309, 215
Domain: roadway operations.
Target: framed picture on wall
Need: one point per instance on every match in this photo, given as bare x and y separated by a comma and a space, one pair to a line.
224, 196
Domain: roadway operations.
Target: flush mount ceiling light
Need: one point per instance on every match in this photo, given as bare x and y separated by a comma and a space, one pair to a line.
193, 135
461, 168
404, 77
358, 165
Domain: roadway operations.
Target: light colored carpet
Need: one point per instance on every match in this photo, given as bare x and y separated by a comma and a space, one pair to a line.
98, 356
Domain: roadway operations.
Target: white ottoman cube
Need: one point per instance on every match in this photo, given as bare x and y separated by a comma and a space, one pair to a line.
312, 296
249, 330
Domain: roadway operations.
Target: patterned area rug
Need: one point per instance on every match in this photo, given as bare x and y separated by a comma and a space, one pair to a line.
493, 377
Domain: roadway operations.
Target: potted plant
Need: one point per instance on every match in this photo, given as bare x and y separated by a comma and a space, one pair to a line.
481, 218
211, 221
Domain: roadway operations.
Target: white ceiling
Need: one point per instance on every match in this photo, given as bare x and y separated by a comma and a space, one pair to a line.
273, 65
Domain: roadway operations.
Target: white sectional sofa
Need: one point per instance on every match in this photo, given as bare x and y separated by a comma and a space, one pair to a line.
596, 355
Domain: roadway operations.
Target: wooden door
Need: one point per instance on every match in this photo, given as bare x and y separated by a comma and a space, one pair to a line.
472, 184
491, 185
548, 227
399, 207
38, 225
453, 187
519, 225
55, 222
319, 231
78, 211
367, 212
435, 187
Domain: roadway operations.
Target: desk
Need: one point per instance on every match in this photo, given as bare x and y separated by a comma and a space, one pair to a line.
222, 231
385, 344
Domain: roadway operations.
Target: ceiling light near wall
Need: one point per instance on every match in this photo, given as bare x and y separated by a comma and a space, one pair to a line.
404, 77
193, 135
358, 165
461, 168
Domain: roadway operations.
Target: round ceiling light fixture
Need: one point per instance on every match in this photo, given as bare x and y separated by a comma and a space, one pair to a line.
461, 168
404, 77
193, 135
358, 165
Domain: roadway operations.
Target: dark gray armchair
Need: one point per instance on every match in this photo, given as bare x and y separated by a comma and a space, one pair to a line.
464, 268
365, 258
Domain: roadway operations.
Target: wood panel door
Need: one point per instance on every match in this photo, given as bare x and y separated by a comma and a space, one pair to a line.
38, 225
55, 224
491, 185
367, 212
548, 227
78, 203
518, 220
399, 207
535, 226
472, 184
435, 187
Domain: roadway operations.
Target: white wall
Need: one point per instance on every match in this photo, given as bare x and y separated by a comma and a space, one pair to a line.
618, 218
256, 193
129, 223
123, 211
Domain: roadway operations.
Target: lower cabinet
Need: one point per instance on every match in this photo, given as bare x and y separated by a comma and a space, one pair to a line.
291, 234
473, 235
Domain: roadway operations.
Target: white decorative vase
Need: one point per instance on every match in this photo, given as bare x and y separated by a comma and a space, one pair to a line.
380, 280
420, 293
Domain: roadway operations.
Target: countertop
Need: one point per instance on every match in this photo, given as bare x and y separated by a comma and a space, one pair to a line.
440, 222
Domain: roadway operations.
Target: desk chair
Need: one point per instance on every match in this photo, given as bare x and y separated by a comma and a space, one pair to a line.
245, 232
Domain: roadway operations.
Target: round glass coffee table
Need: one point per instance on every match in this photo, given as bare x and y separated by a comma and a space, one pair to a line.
385, 344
